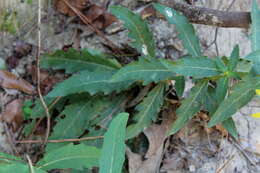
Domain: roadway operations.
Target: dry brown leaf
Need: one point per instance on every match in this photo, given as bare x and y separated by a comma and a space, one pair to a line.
156, 135
10, 81
147, 12
62, 7
222, 130
99, 17
13, 113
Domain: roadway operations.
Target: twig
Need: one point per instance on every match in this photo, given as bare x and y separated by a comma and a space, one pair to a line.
212, 17
225, 164
216, 31
60, 140
236, 144
39, 73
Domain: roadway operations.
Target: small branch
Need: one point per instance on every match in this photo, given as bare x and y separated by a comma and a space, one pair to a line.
59, 141
206, 16
39, 73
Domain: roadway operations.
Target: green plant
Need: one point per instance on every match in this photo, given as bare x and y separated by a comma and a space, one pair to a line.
99, 88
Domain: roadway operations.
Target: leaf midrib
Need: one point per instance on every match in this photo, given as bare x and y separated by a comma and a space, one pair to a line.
67, 158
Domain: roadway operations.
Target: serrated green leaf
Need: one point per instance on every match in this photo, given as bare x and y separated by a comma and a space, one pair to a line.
243, 92
74, 61
138, 30
147, 111
143, 70
185, 29
91, 82
221, 89
70, 156
190, 106
255, 26
113, 151
82, 115
234, 58
197, 67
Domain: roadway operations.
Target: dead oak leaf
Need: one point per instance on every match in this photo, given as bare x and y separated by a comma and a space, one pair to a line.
10, 81
156, 135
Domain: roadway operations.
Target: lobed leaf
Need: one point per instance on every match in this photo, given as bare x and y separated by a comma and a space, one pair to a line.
190, 106
70, 156
113, 151
198, 67
185, 29
243, 92
91, 82
147, 111
138, 30
80, 116
143, 70
74, 61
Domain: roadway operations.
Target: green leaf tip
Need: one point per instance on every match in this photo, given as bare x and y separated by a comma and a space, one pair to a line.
113, 150
185, 29
138, 30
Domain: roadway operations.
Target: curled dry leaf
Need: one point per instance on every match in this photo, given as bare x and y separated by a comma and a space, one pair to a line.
13, 113
10, 81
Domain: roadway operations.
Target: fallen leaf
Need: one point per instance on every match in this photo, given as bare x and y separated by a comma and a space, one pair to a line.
10, 81
156, 135
47, 80
94, 11
62, 7
99, 17
12, 61
13, 113
21, 48
147, 12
